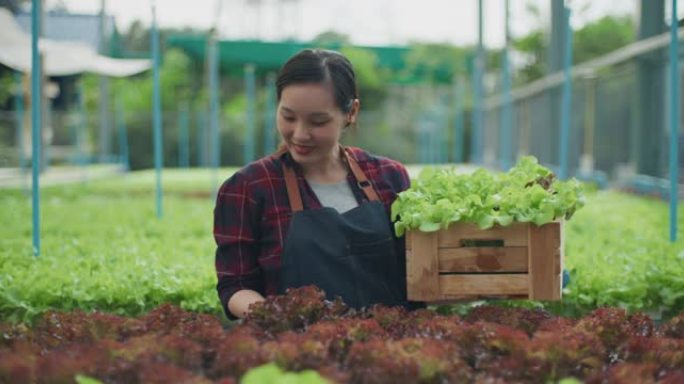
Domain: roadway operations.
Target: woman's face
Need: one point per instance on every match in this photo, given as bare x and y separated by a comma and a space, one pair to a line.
310, 122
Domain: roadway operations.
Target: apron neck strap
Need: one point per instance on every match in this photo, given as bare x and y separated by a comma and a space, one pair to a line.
361, 179
292, 186
292, 189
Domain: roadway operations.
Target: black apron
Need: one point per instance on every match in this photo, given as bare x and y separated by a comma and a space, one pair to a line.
351, 255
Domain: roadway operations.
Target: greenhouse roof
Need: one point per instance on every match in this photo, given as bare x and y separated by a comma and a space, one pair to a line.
269, 56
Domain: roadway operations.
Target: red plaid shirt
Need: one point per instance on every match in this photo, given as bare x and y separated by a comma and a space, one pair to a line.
252, 216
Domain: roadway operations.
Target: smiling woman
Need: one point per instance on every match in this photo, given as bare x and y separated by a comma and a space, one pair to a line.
312, 114
311, 126
314, 212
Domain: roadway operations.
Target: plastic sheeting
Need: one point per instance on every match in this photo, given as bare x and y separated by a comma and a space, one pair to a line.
60, 58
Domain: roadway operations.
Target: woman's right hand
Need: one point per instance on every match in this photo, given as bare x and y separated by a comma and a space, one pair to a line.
239, 303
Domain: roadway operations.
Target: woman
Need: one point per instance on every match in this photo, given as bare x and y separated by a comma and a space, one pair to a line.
314, 212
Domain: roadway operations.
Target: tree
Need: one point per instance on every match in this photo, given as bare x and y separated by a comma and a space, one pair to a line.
6, 74
135, 95
137, 39
591, 41
533, 48
371, 78
434, 63
7, 85
602, 36
331, 39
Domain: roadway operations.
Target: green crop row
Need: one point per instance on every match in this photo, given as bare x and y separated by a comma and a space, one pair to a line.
103, 248
618, 253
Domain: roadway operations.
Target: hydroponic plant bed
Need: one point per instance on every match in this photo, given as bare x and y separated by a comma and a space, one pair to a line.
103, 248
301, 331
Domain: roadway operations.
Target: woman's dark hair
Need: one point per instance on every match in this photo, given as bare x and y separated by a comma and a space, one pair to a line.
318, 66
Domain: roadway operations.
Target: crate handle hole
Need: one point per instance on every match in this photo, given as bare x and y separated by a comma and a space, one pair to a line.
482, 243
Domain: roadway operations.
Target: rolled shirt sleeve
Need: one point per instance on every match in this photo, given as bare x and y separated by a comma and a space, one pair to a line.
236, 236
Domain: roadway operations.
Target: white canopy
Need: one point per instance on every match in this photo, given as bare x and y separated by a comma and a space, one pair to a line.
60, 58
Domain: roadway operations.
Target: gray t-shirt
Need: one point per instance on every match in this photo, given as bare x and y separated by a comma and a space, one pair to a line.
338, 195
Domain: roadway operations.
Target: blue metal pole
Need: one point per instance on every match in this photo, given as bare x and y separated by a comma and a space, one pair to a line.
156, 105
47, 148
433, 132
75, 157
269, 132
444, 127
19, 115
123, 137
478, 68
81, 125
444, 130
474, 117
250, 86
422, 138
214, 107
202, 138
434, 146
566, 100
674, 121
36, 131
506, 107
183, 136
425, 149
431, 148
458, 134
426, 136
443, 140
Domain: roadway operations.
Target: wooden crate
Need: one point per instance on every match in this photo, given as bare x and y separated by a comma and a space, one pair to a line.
522, 260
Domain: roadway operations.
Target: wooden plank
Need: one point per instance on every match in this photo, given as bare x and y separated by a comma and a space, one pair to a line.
422, 267
546, 259
483, 259
514, 235
483, 285
408, 240
462, 299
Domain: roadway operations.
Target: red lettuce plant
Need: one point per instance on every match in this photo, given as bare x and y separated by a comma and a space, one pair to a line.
526, 320
294, 311
407, 360
629, 373
614, 325
674, 327
572, 353
301, 330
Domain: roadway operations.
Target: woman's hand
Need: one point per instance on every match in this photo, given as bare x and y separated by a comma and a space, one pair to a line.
240, 301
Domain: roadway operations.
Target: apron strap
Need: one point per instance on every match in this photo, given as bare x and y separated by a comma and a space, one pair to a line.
295, 196
361, 179
292, 189
291, 185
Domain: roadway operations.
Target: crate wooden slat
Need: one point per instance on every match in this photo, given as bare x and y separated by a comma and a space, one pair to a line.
422, 250
483, 259
546, 261
512, 235
483, 284
520, 260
